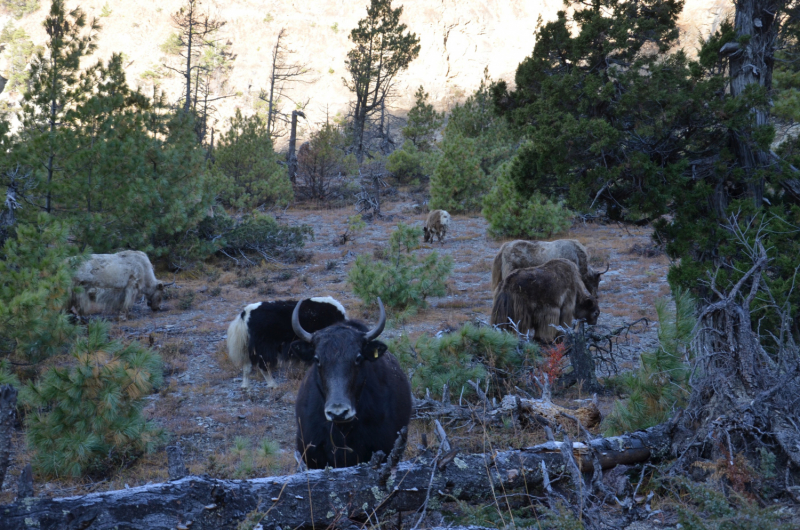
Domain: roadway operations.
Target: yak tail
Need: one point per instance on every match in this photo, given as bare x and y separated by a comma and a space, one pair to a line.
509, 307
238, 338
497, 269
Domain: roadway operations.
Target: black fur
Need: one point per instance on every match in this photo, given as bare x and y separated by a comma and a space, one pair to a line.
372, 379
270, 330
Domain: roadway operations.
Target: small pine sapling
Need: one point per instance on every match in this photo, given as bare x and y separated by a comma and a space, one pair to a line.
87, 417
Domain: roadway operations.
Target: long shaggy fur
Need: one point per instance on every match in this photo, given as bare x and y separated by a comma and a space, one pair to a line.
436, 224
522, 254
111, 283
262, 333
539, 298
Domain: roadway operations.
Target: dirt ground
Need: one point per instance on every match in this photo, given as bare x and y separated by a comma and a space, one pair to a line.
227, 432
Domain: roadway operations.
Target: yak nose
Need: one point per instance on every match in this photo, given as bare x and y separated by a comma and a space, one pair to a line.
339, 412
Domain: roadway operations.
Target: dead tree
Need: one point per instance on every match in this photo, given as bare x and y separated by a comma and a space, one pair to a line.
292, 155
583, 367
196, 31
743, 397
281, 74
322, 498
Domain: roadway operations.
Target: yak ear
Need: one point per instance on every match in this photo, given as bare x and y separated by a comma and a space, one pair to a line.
302, 350
373, 350
160, 286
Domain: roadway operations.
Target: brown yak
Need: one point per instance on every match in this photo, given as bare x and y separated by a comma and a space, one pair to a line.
539, 298
436, 225
520, 254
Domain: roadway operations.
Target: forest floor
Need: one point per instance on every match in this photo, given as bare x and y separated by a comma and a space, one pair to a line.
227, 432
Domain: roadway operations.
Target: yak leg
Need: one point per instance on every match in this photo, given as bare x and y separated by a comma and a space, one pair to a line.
268, 378
246, 370
549, 317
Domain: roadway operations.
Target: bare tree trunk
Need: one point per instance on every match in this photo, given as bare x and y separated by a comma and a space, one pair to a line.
322, 498
292, 156
8, 410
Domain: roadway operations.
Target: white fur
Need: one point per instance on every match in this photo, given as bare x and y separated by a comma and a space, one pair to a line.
112, 283
445, 219
238, 337
332, 301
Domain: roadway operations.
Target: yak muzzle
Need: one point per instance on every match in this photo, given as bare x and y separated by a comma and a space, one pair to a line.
339, 413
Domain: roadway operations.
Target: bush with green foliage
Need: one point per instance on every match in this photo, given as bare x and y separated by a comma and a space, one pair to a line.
19, 8
247, 166
458, 184
510, 214
471, 352
423, 121
35, 284
701, 507
401, 279
87, 418
409, 163
257, 235
661, 384
20, 50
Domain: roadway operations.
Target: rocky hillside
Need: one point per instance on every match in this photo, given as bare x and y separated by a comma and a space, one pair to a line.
459, 38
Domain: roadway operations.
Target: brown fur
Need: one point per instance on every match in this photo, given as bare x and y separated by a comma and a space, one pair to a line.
111, 283
539, 298
520, 254
436, 224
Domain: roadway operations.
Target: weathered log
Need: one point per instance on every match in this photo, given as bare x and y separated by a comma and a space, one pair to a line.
323, 497
588, 415
176, 467
8, 408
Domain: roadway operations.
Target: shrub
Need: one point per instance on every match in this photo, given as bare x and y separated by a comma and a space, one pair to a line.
458, 184
399, 278
423, 121
322, 164
35, 283
471, 352
662, 381
19, 8
258, 235
247, 167
405, 163
89, 416
511, 215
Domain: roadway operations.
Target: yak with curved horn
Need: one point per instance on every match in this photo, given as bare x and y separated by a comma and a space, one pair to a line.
354, 399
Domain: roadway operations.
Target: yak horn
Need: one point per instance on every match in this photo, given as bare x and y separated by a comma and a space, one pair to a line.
298, 329
377, 330
608, 265
169, 284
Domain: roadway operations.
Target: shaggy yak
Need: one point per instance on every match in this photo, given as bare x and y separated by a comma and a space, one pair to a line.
111, 283
262, 333
538, 298
436, 224
355, 398
520, 254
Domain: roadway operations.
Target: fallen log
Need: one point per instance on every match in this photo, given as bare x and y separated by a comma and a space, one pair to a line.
321, 498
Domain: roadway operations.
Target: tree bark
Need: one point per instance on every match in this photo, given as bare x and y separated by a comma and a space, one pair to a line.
292, 156
583, 368
8, 409
321, 498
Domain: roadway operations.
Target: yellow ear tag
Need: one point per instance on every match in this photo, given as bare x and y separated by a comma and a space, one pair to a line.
376, 353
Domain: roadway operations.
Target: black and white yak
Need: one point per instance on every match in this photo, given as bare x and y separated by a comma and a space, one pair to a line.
261, 334
355, 398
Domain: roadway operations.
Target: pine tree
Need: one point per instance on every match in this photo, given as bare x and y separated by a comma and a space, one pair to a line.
88, 417
381, 51
35, 285
458, 184
56, 88
248, 166
423, 121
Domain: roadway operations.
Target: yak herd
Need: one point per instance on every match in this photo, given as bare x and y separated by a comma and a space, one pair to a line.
355, 397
